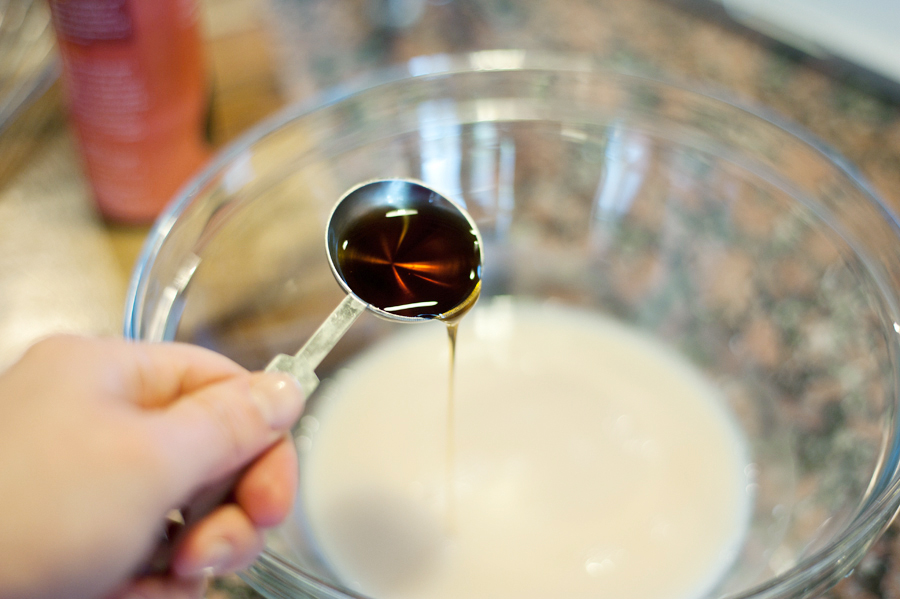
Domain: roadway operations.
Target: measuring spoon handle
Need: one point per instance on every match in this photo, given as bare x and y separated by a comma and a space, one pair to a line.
302, 365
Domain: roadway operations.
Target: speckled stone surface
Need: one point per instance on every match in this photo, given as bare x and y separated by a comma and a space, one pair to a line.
326, 42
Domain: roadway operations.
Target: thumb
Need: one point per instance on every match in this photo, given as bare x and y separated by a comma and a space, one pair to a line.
219, 428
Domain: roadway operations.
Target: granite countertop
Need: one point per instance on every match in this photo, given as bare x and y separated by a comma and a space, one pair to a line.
63, 269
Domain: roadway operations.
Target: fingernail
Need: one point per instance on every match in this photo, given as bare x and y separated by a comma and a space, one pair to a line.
278, 397
218, 558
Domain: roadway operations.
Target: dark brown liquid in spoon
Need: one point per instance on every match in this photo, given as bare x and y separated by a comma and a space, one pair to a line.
421, 262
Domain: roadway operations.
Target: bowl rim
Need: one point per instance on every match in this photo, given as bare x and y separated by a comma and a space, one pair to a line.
811, 574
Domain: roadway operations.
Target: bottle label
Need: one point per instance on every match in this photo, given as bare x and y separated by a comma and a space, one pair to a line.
86, 21
108, 94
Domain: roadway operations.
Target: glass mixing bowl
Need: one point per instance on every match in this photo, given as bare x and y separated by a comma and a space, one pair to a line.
752, 250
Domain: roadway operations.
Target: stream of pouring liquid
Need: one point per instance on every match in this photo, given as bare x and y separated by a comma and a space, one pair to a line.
450, 466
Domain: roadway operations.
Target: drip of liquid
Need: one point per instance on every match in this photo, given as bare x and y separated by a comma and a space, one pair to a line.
422, 261
450, 465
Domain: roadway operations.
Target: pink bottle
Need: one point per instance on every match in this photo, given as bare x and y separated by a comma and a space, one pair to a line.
135, 78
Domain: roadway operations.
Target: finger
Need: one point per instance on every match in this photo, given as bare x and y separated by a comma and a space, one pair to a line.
163, 372
147, 374
223, 542
267, 489
220, 428
163, 587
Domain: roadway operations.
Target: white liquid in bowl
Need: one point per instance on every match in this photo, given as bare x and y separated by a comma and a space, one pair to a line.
589, 461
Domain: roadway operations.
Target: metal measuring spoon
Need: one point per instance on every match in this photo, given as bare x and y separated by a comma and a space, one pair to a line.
398, 249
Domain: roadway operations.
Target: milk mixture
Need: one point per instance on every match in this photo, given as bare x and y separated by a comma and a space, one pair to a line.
588, 461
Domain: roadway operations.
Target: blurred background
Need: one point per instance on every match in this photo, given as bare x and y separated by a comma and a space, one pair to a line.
832, 67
